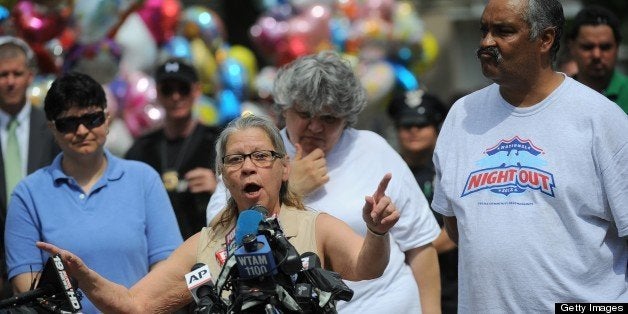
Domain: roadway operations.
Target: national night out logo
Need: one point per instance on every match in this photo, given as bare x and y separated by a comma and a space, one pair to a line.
511, 167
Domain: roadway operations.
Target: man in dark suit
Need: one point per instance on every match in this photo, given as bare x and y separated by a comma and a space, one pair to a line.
35, 145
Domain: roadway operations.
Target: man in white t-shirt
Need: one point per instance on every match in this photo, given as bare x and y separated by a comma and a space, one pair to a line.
531, 174
334, 166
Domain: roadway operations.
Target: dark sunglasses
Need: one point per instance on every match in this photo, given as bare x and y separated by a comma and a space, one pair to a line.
71, 124
169, 88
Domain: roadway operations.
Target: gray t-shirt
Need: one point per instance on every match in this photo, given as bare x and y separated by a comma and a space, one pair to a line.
541, 199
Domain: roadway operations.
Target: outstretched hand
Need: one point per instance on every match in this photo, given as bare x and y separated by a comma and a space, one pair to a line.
307, 173
74, 266
379, 212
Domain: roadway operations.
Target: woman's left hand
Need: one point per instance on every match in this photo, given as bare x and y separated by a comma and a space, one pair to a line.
379, 212
74, 266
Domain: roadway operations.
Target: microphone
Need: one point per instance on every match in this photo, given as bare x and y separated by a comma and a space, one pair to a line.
54, 286
199, 281
310, 260
247, 224
287, 254
255, 257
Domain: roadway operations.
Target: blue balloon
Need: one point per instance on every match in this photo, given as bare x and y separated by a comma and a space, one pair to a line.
4, 13
405, 78
234, 77
178, 47
228, 106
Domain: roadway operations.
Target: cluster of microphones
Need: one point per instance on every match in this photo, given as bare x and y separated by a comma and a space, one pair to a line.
55, 292
264, 274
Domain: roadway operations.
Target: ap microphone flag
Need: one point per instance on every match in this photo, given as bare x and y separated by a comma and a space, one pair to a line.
199, 276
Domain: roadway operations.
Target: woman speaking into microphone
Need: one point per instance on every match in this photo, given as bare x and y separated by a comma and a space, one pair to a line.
252, 159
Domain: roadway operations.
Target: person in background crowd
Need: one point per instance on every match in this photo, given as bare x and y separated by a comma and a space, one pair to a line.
418, 116
333, 165
594, 44
31, 145
181, 150
113, 212
252, 157
531, 174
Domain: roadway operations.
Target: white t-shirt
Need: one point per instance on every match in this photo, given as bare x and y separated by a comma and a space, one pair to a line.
541, 199
356, 165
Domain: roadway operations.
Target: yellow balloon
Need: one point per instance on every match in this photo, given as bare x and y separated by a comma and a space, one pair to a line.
430, 47
205, 65
247, 58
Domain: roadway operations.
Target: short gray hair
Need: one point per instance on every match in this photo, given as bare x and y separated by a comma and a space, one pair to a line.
321, 80
10, 46
543, 14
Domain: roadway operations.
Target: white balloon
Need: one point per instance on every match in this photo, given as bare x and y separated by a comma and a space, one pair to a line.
119, 139
139, 49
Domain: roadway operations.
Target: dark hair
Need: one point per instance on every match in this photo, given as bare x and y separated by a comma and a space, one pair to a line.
595, 15
73, 90
544, 14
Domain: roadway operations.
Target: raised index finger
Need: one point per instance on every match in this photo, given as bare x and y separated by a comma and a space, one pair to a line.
381, 188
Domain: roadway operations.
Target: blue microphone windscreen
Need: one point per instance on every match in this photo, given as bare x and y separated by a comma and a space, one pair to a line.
248, 223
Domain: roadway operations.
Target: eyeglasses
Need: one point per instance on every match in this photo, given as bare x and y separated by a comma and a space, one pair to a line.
260, 158
326, 119
169, 88
71, 124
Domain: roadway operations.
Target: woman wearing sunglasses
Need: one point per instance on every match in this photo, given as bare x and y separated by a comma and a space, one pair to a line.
115, 212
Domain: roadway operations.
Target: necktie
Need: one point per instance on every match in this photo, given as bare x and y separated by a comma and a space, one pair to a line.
12, 160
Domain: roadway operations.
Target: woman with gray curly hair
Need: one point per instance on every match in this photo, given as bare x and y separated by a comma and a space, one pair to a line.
334, 165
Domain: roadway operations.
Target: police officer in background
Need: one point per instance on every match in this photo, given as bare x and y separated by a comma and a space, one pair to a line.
417, 116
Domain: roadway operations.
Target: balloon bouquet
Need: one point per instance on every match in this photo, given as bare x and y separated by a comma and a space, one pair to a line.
385, 40
119, 42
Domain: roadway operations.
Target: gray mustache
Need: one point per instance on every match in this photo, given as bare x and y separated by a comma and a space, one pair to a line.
493, 51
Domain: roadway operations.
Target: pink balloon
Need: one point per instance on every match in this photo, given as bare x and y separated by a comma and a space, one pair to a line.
161, 18
40, 23
268, 33
140, 111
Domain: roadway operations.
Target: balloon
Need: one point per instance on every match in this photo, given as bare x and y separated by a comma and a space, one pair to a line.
205, 65
234, 77
99, 60
339, 27
304, 4
229, 106
407, 25
138, 45
141, 114
247, 59
161, 18
269, 34
119, 88
377, 8
206, 112
119, 139
94, 18
39, 23
429, 43
112, 101
178, 47
38, 89
264, 82
199, 21
4, 13
378, 80
405, 79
